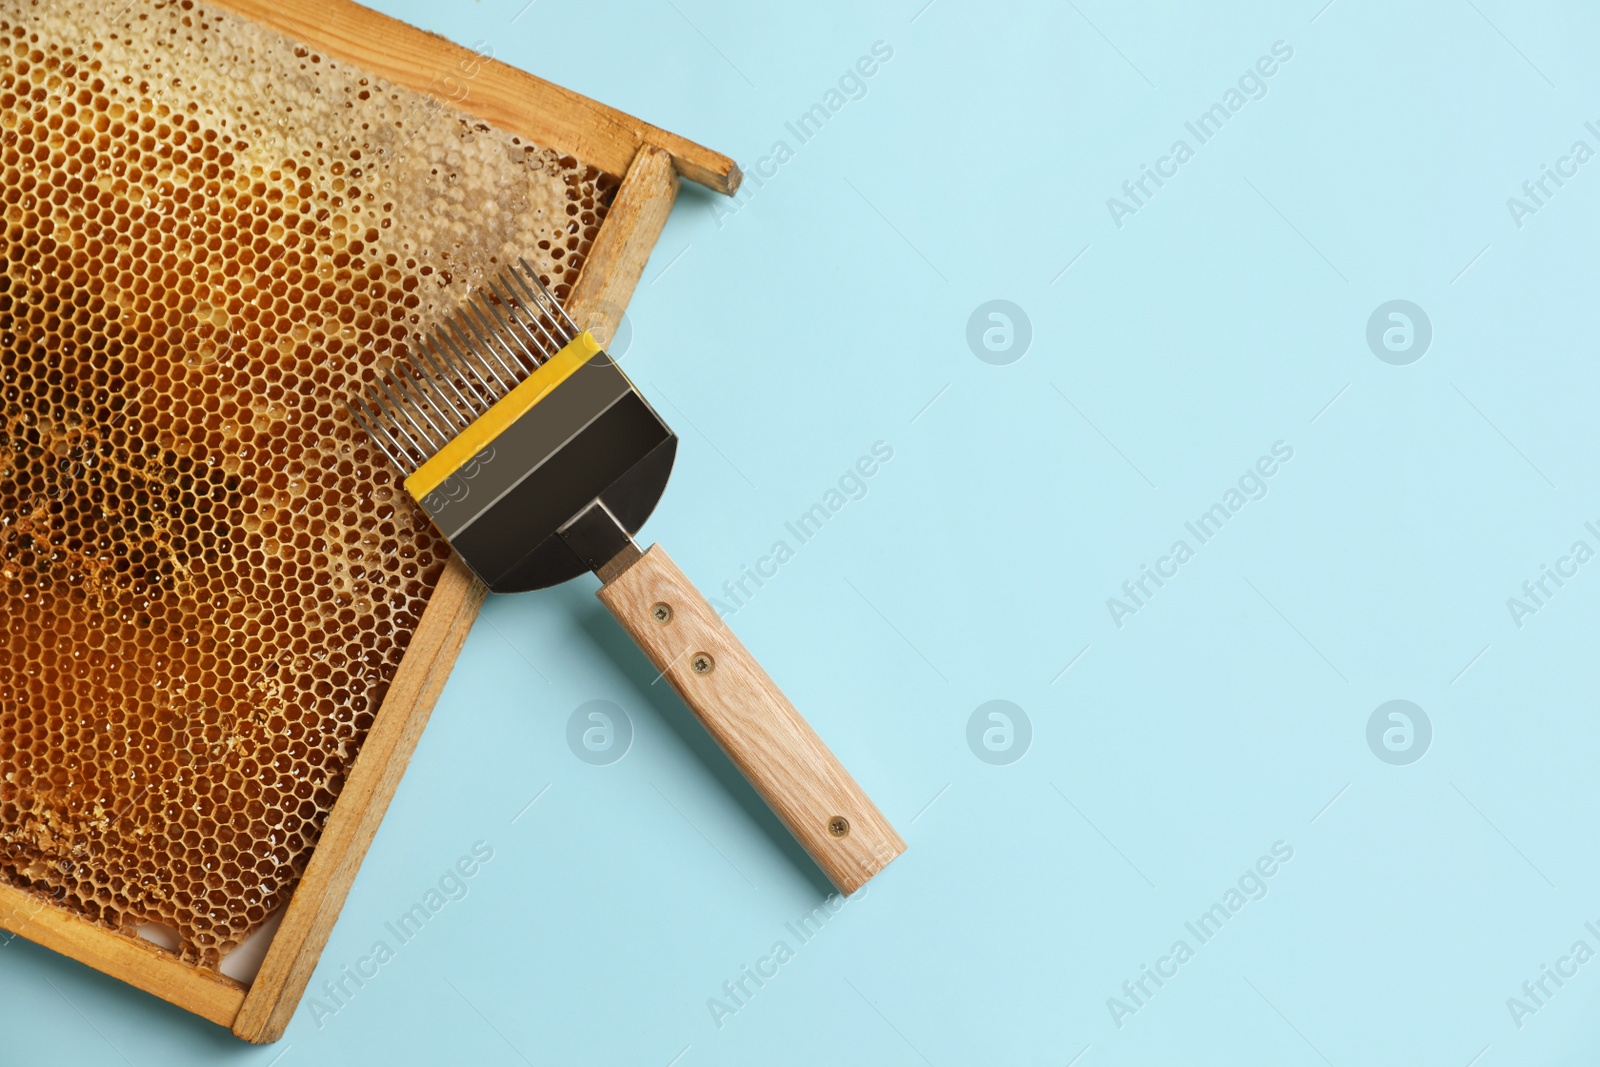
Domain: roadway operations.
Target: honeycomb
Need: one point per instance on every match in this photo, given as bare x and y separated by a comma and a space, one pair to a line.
209, 234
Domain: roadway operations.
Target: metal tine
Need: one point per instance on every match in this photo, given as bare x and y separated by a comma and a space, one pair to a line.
557, 315
375, 419
516, 374
433, 390
549, 346
372, 436
475, 380
403, 406
468, 409
532, 304
363, 406
548, 295
537, 305
484, 379
402, 420
375, 416
529, 306
411, 389
412, 397
489, 334
505, 327
501, 386
534, 312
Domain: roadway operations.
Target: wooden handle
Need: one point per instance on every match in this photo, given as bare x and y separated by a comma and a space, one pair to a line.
752, 720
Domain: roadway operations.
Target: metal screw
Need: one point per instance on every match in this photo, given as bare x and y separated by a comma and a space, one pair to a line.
702, 663
838, 826
662, 613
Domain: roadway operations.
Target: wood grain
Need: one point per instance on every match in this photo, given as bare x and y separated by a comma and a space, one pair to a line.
618, 255
126, 956
367, 791
514, 100
752, 720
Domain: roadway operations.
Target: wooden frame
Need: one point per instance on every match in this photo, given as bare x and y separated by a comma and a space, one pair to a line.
651, 161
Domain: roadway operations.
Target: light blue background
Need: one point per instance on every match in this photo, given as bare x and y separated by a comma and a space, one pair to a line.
785, 337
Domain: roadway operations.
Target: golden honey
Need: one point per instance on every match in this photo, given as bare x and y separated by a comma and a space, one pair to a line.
210, 235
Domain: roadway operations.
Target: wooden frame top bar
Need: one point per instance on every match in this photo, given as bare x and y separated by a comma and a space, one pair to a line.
502, 95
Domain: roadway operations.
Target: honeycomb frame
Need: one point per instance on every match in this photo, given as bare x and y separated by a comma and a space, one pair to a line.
165, 473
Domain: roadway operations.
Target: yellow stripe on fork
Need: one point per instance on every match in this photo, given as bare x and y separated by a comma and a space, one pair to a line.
507, 410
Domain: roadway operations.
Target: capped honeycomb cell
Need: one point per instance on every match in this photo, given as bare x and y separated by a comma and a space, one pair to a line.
209, 235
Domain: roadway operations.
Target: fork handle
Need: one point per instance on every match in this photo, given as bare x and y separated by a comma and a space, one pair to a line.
750, 718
